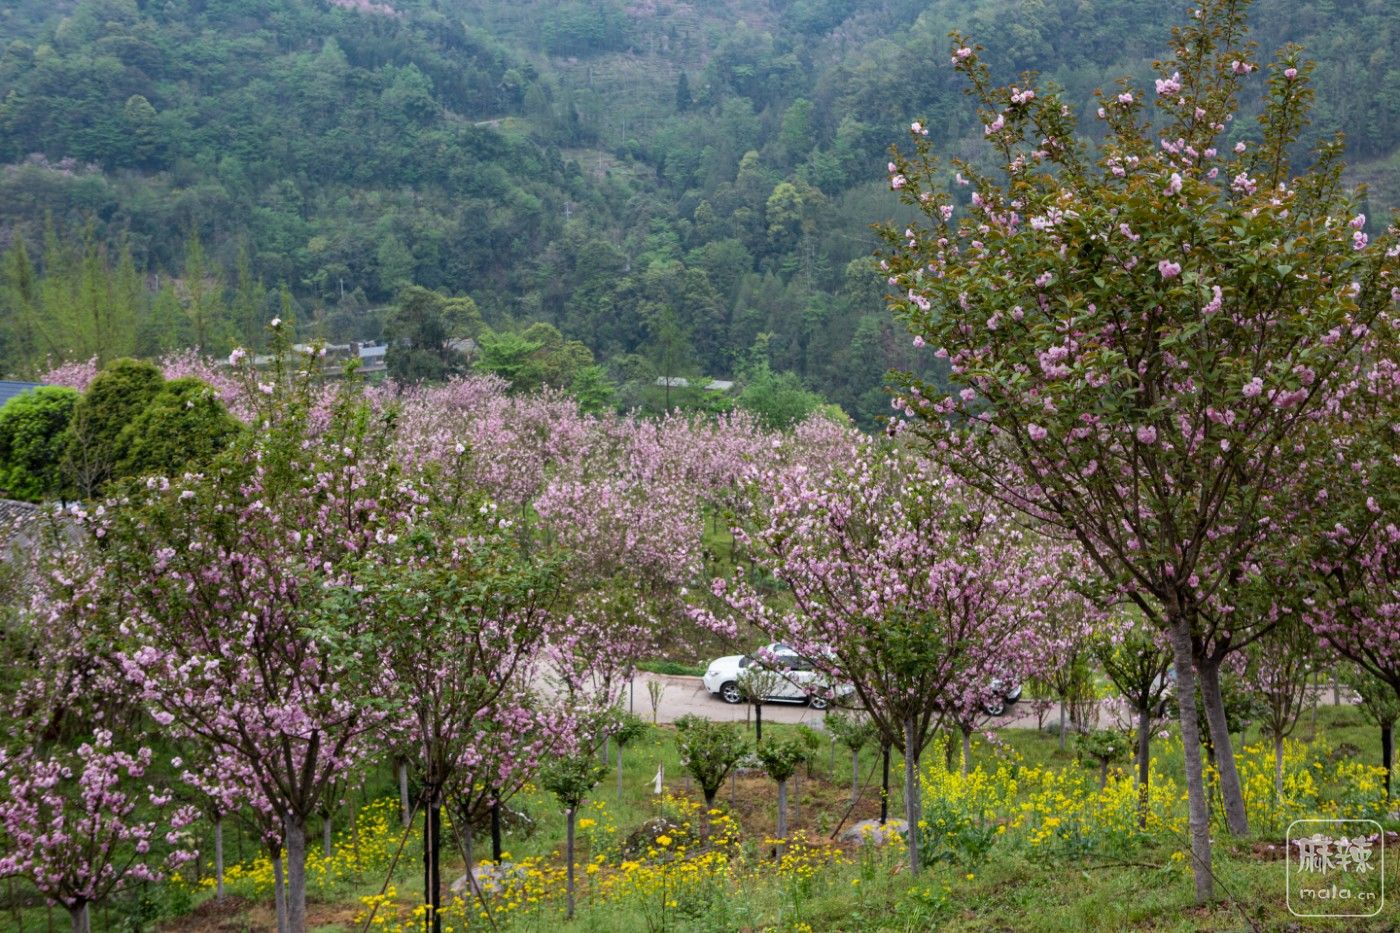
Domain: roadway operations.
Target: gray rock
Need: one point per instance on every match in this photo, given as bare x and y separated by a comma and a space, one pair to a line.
490, 878
871, 831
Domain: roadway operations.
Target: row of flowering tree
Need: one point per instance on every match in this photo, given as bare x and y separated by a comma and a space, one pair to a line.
1142, 338
454, 578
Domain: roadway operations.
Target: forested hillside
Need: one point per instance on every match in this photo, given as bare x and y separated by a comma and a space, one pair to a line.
686, 189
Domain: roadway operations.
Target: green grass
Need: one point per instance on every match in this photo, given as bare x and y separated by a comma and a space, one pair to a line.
674, 668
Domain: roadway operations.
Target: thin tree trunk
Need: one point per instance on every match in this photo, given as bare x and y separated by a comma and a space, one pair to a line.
1232, 796
1199, 814
885, 785
796, 794
1387, 752
966, 751
569, 863
495, 831
782, 810
1312, 725
758, 723
326, 827
1278, 768
219, 858
1144, 764
296, 875
619, 775
354, 808
405, 809
432, 858
79, 918
279, 890
911, 794
1103, 774
855, 775
1062, 724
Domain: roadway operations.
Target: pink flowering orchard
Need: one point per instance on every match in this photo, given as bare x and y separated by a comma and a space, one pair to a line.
905, 583
1138, 334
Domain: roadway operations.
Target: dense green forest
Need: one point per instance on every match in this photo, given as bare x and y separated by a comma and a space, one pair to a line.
624, 191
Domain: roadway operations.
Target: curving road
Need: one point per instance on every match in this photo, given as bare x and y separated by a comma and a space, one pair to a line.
687, 695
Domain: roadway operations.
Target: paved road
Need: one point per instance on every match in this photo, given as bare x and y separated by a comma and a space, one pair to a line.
683, 695
687, 695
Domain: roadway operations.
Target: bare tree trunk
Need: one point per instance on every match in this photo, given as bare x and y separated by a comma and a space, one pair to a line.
354, 817
782, 810
1231, 793
1144, 764
1062, 724
296, 875
495, 831
468, 844
79, 917
885, 785
569, 863
1199, 813
911, 793
219, 857
1387, 752
432, 861
619, 775
1278, 768
966, 751
326, 828
279, 889
405, 809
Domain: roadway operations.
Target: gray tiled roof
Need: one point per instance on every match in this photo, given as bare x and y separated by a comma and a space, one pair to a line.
16, 521
9, 390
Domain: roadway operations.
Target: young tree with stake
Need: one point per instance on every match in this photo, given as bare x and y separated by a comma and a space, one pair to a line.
570, 780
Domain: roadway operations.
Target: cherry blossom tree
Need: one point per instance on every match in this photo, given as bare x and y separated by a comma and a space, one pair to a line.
457, 618
904, 583
1137, 337
1355, 523
81, 825
219, 584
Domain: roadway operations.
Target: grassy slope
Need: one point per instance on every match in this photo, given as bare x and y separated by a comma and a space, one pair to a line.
1009, 891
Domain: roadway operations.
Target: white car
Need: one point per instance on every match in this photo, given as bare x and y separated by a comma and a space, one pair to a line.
788, 676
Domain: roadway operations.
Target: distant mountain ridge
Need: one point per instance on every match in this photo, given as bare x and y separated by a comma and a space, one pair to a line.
667, 182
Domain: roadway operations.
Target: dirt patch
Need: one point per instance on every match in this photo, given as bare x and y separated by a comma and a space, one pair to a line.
1268, 851
240, 915
213, 916
815, 804
1277, 850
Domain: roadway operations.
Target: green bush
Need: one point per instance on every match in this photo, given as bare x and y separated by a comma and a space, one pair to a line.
32, 429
